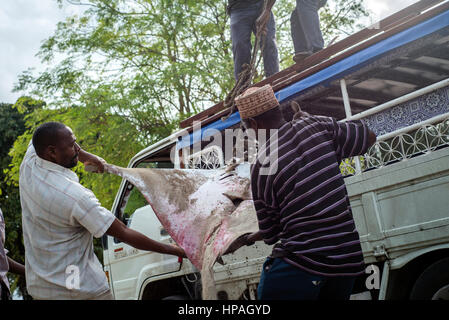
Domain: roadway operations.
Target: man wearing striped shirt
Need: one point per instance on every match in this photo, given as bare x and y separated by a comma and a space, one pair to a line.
301, 201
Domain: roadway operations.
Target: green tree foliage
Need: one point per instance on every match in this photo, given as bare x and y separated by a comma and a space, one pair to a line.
157, 61
12, 125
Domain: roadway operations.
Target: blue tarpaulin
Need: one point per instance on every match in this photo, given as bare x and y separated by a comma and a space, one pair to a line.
208, 131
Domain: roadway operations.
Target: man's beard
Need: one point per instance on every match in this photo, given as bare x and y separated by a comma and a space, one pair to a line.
73, 162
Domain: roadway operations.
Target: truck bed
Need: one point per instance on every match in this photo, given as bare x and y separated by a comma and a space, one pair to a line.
403, 206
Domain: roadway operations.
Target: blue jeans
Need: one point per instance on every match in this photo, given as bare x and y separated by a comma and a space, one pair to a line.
305, 26
283, 281
243, 23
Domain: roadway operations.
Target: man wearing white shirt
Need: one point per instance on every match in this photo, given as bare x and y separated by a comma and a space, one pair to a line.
60, 218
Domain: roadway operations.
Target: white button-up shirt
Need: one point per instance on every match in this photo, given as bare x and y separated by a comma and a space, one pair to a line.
59, 218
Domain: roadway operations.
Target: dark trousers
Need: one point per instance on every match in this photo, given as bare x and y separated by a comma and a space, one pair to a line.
243, 23
305, 26
283, 281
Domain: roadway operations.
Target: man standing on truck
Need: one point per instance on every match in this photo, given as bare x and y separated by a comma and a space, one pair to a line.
301, 201
305, 27
244, 14
60, 218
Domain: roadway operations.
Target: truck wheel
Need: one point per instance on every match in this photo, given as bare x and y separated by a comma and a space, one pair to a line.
433, 283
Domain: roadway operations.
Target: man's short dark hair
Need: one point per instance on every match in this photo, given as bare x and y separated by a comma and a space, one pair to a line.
46, 134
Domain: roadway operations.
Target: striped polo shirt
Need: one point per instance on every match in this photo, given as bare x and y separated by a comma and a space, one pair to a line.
301, 199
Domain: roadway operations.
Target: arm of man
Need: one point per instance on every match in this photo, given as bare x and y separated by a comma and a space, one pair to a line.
91, 159
139, 241
351, 138
15, 267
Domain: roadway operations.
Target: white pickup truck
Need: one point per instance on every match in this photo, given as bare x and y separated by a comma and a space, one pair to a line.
401, 211
398, 82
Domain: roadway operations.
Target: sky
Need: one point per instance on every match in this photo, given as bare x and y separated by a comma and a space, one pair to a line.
25, 24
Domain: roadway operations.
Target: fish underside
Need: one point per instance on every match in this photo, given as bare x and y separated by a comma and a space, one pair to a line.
203, 211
